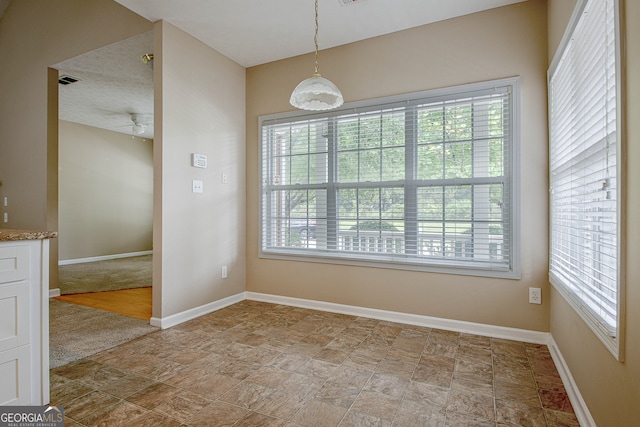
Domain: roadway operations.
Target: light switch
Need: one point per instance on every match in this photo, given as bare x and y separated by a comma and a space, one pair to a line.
5, 201
197, 186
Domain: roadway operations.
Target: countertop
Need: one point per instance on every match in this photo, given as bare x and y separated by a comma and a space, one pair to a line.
7, 235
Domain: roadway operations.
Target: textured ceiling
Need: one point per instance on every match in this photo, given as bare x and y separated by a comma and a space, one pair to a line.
114, 82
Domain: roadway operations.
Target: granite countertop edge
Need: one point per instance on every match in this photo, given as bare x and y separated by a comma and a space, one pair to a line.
9, 235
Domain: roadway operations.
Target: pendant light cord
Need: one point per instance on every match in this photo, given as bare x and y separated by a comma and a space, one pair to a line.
315, 40
316, 93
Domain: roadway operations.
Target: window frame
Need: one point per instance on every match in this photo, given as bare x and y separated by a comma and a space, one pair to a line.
443, 266
613, 342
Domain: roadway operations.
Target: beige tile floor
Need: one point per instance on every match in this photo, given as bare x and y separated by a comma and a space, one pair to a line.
258, 364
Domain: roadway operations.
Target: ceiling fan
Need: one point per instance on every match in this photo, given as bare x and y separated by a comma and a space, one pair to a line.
140, 122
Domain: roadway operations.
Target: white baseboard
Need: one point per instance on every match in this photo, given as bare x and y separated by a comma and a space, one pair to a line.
176, 319
54, 293
103, 257
578, 403
391, 316
410, 319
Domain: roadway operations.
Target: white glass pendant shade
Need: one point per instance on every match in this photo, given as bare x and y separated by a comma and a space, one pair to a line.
316, 93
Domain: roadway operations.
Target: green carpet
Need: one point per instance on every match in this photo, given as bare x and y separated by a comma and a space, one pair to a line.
110, 275
76, 332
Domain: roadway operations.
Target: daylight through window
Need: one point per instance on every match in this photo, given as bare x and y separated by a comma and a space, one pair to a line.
584, 166
420, 181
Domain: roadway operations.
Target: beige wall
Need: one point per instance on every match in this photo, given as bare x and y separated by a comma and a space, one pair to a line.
610, 388
33, 36
200, 100
202, 94
558, 14
503, 42
106, 192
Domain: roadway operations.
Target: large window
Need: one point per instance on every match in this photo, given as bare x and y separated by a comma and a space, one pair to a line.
585, 169
421, 181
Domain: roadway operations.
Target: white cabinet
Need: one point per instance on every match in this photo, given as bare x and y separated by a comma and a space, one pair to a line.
24, 322
16, 378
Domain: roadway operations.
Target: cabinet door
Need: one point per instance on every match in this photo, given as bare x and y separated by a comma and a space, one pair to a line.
14, 315
15, 374
14, 263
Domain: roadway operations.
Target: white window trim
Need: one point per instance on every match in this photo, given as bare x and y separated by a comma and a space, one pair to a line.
616, 344
515, 270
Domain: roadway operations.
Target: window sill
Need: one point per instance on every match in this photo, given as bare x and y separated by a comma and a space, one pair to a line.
450, 267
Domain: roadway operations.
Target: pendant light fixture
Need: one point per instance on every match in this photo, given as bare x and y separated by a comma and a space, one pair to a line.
316, 93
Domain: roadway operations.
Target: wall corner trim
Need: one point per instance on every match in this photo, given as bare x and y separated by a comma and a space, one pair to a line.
579, 405
183, 316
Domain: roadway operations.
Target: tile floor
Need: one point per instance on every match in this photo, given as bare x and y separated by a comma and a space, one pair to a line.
258, 364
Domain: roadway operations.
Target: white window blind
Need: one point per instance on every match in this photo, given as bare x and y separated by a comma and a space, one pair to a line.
419, 181
584, 234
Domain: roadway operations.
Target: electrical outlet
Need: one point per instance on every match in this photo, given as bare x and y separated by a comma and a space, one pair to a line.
535, 296
224, 271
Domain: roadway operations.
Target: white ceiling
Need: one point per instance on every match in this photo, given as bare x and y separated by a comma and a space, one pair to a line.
115, 83
253, 32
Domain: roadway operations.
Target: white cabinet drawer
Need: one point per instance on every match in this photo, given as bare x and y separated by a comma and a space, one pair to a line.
15, 374
24, 322
14, 263
14, 315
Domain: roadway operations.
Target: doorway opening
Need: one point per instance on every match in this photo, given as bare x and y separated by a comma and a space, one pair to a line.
105, 198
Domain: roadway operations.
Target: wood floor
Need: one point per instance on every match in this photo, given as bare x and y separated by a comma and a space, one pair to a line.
128, 302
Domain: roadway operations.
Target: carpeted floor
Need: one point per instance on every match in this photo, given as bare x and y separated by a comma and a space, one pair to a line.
76, 332
110, 275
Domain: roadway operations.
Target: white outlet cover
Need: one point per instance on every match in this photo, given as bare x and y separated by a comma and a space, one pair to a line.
197, 186
535, 296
